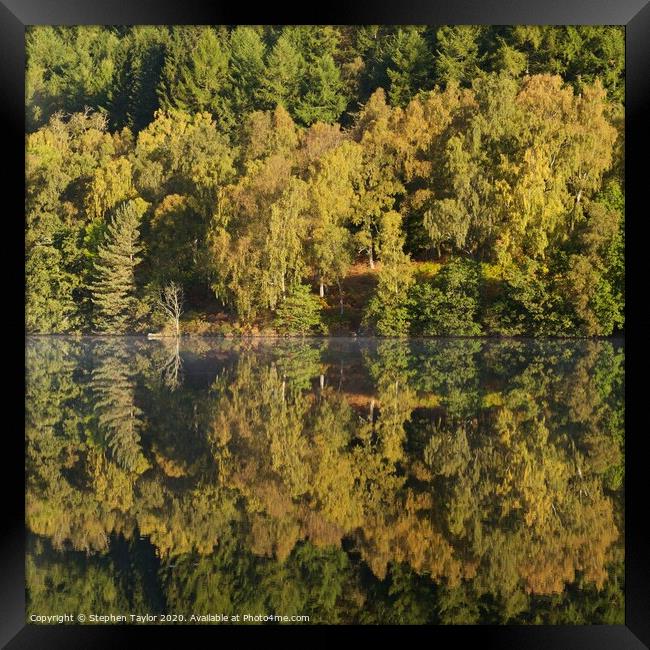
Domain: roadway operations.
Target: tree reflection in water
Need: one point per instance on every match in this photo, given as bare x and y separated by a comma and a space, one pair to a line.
390, 481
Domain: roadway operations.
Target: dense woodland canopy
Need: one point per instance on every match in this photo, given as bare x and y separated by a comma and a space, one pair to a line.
391, 180
440, 481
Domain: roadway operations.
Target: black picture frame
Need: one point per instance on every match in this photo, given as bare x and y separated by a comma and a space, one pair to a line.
15, 15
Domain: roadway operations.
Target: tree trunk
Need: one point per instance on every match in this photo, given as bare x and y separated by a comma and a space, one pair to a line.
340, 297
322, 289
371, 259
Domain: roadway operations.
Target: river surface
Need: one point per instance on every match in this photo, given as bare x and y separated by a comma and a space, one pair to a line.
325, 480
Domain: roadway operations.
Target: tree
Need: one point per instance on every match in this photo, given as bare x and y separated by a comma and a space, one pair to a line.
457, 53
246, 69
195, 75
299, 312
322, 98
281, 80
114, 288
49, 298
408, 62
282, 252
378, 182
388, 310
69, 69
449, 305
74, 168
333, 203
139, 63
170, 302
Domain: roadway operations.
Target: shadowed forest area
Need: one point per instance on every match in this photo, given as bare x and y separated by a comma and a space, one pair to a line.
353, 481
411, 180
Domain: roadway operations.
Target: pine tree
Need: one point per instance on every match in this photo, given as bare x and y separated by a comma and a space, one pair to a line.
458, 55
323, 99
195, 75
113, 291
409, 63
134, 96
280, 85
246, 69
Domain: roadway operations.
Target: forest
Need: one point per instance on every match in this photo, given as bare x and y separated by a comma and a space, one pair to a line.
292, 180
448, 481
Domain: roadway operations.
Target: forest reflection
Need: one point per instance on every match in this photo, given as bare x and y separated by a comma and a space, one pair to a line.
353, 481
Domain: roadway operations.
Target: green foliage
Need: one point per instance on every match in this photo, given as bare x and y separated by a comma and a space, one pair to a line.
299, 312
458, 53
387, 313
323, 98
68, 69
134, 94
448, 305
528, 304
281, 81
195, 74
408, 64
246, 69
49, 302
114, 289
274, 156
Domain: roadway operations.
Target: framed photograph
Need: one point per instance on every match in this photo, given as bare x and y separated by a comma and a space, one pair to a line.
327, 320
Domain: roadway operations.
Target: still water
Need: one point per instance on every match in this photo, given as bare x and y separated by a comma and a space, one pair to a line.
347, 481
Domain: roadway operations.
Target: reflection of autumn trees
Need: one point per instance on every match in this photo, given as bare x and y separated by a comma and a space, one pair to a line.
479, 481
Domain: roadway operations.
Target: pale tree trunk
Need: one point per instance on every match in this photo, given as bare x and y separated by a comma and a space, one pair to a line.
340, 297
322, 381
322, 289
171, 302
371, 258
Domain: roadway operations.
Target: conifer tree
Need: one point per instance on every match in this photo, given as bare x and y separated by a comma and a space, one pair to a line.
134, 95
246, 69
409, 64
113, 291
280, 85
195, 75
323, 99
458, 55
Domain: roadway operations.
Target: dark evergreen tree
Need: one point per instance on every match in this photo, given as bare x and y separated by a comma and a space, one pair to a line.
280, 83
195, 74
323, 99
408, 64
457, 53
134, 98
246, 69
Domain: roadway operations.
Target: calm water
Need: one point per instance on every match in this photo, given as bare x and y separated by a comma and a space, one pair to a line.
350, 481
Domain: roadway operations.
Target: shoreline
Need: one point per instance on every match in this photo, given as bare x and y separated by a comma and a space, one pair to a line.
315, 337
